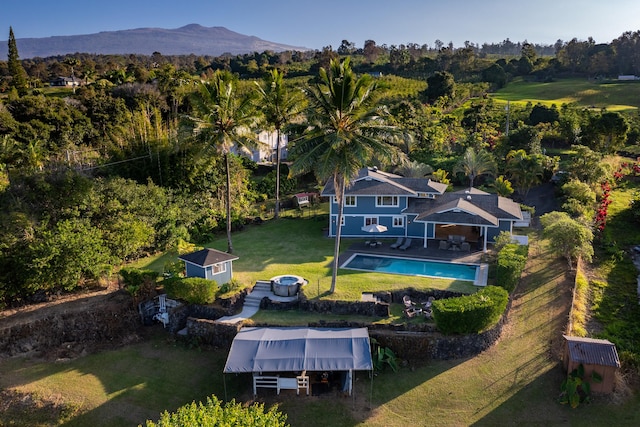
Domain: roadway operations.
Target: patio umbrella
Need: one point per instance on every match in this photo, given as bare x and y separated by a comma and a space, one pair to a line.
374, 228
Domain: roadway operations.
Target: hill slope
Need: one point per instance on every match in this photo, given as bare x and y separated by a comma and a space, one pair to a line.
190, 39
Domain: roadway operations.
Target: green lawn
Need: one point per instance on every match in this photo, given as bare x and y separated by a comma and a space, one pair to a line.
298, 246
612, 95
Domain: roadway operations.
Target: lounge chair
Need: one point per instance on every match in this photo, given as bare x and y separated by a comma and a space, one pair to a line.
406, 245
398, 243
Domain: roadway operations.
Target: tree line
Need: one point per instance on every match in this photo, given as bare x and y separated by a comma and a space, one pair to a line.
147, 150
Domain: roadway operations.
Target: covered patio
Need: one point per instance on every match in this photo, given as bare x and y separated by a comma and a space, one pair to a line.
299, 358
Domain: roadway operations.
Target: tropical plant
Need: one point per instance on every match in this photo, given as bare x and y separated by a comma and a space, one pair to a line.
223, 119
382, 357
279, 106
525, 170
576, 389
474, 164
503, 186
346, 129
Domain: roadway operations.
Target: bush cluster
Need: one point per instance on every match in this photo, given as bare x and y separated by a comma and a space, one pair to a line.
193, 290
511, 261
470, 314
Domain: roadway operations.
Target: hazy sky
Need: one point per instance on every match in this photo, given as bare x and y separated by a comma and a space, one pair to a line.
315, 24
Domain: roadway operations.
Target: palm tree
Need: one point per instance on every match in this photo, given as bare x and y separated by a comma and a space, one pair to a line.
526, 170
279, 106
474, 164
223, 119
346, 128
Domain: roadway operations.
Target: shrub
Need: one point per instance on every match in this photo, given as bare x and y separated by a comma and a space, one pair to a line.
138, 282
215, 413
193, 290
470, 313
511, 261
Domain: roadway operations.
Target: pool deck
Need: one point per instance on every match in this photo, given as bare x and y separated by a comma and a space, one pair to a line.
432, 252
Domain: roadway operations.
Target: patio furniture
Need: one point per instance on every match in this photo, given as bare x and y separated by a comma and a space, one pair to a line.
398, 243
444, 245
407, 301
406, 245
465, 246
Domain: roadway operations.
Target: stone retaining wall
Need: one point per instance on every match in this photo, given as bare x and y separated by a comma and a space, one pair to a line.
74, 331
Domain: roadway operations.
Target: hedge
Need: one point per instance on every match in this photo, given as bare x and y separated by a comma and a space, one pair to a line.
193, 290
511, 261
470, 313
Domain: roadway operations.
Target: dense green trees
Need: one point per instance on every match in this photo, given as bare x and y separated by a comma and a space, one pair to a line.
16, 70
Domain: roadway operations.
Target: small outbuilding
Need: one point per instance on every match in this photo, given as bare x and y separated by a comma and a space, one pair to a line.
599, 356
209, 264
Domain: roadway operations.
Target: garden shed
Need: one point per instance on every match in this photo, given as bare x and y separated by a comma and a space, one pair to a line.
283, 358
209, 264
595, 355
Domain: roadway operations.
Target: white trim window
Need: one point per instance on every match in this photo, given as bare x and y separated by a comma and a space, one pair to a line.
387, 201
219, 268
398, 221
369, 220
350, 201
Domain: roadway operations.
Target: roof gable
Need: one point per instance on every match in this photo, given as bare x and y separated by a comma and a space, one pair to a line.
372, 182
206, 257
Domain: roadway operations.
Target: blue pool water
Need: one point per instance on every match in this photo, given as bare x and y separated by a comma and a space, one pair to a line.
412, 267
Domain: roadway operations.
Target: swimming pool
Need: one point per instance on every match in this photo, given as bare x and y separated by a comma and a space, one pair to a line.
412, 267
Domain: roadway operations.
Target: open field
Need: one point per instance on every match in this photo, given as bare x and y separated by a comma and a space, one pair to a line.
612, 95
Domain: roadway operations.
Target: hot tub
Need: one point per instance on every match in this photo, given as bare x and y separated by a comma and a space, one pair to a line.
286, 285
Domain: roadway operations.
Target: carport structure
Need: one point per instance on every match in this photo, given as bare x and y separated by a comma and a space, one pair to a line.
282, 358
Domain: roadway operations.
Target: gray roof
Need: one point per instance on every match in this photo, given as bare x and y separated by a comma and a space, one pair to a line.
589, 351
373, 182
206, 257
299, 349
466, 207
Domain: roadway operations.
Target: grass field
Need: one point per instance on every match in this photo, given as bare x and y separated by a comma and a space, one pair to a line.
612, 95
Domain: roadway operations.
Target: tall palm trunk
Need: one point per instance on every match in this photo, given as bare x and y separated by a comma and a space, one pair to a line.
339, 184
277, 210
228, 172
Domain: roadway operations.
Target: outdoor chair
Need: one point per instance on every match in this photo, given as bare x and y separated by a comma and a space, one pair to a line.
398, 243
407, 301
406, 245
465, 246
444, 245
412, 312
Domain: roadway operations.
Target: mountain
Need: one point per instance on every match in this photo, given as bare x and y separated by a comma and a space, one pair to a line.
190, 39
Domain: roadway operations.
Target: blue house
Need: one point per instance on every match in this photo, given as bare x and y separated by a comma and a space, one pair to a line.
420, 209
209, 264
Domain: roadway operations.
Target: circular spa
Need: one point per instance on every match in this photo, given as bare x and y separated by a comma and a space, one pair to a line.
286, 285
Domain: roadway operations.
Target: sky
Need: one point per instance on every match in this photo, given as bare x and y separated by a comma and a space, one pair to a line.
316, 24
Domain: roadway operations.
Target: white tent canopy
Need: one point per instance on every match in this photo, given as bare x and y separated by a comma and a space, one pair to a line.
299, 349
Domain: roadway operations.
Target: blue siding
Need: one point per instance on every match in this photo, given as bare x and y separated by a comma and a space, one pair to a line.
193, 270
492, 232
366, 206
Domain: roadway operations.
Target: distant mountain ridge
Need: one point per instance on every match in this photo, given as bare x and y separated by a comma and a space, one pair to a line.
190, 39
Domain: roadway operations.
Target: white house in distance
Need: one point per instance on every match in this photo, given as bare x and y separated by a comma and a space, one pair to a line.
267, 151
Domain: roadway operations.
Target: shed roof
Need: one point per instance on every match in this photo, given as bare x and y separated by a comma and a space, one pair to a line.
206, 257
299, 349
589, 351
